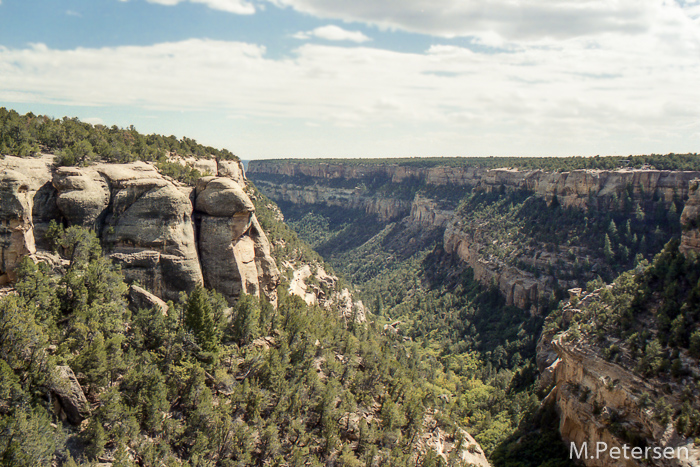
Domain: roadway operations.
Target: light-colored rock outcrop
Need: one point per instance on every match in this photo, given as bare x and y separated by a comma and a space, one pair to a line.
316, 287
430, 212
83, 195
690, 220
145, 221
37, 171
16, 229
231, 169
234, 252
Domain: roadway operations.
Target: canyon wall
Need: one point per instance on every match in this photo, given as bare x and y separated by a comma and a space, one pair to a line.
600, 401
690, 220
346, 186
166, 236
575, 188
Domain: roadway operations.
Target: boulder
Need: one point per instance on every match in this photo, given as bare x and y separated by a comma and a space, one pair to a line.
69, 400
221, 197
140, 298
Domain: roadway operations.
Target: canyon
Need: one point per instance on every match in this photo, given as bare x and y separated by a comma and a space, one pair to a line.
595, 400
430, 196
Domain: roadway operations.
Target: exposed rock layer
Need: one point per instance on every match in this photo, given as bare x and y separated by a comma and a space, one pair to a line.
599, 401
146, 223
308, 183
690, 220
573, 188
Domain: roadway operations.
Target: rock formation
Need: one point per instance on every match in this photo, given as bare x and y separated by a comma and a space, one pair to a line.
69, 399
165, 236
599, 401
690, 220
16, 231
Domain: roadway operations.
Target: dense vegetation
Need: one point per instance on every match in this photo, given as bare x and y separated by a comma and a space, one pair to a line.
206, 385
483, 350
78, 143
520, 229
671, 161
647, 321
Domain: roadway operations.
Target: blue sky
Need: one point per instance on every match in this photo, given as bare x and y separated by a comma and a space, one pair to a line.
366, 78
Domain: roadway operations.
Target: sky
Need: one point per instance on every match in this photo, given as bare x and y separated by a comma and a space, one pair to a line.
366, 78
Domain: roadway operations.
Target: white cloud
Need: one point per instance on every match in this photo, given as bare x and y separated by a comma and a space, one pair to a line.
547, 97
239, 7
510, 19
333, 33
94, 120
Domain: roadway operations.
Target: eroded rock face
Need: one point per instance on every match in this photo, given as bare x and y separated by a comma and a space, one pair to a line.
16, 230
146, 223
690, 220
601, 401
598, 401
234, 251
83, 195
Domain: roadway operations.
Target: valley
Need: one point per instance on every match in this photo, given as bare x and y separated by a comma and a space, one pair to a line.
449, 235
159, 306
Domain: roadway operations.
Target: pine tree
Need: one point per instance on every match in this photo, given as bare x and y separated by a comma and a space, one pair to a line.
245, 327
199, 320
607, 249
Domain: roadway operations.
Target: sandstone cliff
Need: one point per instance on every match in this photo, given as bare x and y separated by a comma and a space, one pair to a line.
690, 220
599, 401
166, 236
525, 277
576, 188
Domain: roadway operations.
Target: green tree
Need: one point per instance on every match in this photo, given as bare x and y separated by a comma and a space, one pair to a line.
199, 319
245, 325
607, 248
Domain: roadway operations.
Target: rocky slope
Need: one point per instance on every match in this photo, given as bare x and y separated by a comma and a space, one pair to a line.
597, 388
166, 236
599, 401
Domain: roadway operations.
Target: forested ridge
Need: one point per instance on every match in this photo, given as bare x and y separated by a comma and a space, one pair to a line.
79, 143
672, 161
